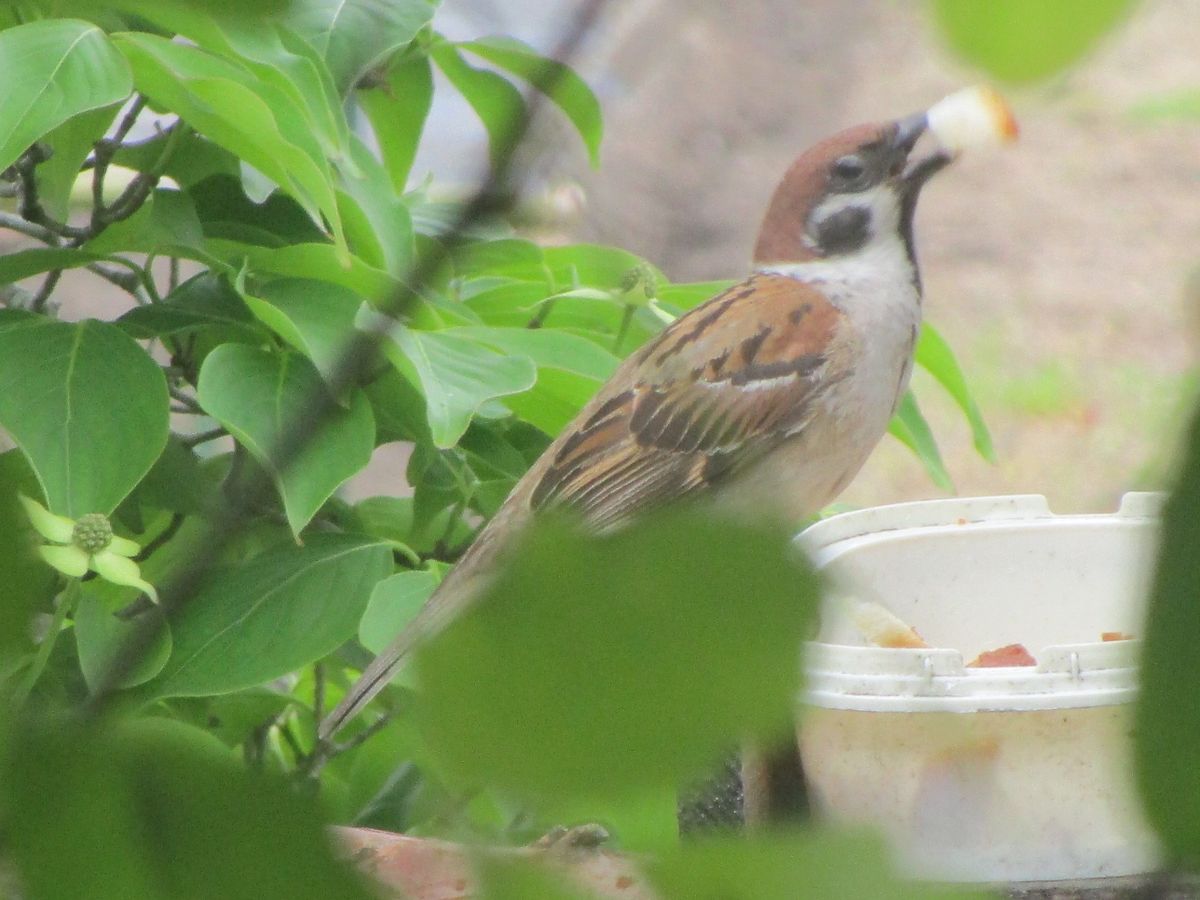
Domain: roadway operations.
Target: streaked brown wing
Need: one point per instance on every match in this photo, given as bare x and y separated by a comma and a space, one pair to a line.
718, 388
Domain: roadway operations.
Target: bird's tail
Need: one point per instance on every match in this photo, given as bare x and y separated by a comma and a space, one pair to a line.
374, 679
450, 598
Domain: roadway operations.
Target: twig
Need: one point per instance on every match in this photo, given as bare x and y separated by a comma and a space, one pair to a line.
203, 437
183, 399
161, 538
318, 693
66, 604
31, 205
103, 153
27, 228
326, 750
126, 281
285, 731
139, 189
38, 304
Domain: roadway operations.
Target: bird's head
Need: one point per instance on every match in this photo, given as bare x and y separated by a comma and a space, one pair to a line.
851, 192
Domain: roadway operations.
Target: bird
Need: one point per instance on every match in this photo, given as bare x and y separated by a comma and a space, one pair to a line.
769, 395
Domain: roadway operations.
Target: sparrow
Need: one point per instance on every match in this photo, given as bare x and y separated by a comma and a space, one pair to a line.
769, 396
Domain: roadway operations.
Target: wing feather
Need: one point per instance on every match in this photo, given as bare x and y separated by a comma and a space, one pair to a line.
718, 388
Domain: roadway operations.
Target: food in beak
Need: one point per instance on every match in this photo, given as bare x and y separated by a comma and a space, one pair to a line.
972, 117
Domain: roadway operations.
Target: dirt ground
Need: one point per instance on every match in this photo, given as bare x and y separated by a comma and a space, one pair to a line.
1057, 269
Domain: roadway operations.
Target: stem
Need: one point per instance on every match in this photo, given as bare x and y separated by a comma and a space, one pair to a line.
326, 750
203, 437
318, 695
29, 229
38, 304
66, 603
185, 400
543, 313
623, 330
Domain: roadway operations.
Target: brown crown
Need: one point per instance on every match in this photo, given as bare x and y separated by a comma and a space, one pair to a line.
804, 185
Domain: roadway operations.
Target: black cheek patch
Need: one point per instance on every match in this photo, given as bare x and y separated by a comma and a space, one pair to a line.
844, 231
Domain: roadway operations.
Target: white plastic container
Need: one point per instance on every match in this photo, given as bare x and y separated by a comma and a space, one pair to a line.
984, 774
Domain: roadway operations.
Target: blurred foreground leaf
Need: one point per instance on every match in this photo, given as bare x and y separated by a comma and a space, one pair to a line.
158, 809
1167, 734
818, 865
1024, 40
630, 661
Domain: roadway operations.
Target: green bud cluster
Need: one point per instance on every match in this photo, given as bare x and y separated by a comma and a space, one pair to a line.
92, 532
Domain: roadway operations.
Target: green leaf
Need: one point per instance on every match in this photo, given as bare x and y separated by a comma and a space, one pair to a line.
394, 602
354, 35
194, 159
59, 387
517, 878
570, 371
594, 265
511, 257
54, 69
316, 261
682, 297
935, 356
226, 212
397, 109
1167, 726
910, 427
1025, 40
26, 263
219, 828
378, 225
70, 143
100, 635
205, 301
557, 81
278, 57
255, 393
271, 615
166, 224
316, 318
687, 644
499, 105
457, 376
249, 117
814, 865
555, 400
27, 580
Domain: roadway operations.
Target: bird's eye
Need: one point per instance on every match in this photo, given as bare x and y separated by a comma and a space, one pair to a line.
849, 168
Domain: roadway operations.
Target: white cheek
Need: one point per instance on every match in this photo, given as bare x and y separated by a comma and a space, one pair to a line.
880, 201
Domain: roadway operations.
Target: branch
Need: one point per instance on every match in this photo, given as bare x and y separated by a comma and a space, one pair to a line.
183, 399
40, 300
126, 281
31, 205
203, 437
27, 228
105, 150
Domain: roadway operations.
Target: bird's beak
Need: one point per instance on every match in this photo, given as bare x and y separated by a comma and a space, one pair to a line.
914, 172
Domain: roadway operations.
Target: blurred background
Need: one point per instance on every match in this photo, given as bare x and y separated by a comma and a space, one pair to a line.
1062, 270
